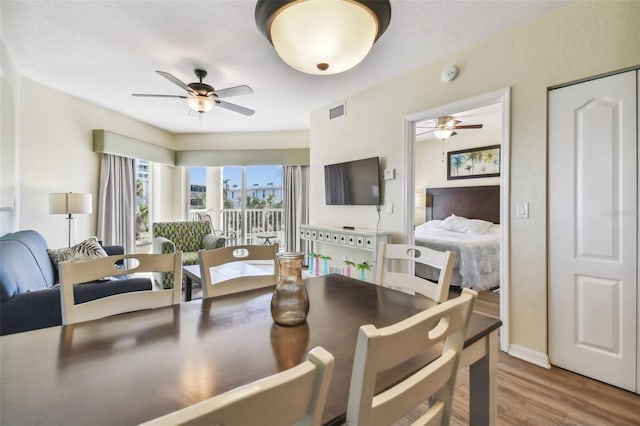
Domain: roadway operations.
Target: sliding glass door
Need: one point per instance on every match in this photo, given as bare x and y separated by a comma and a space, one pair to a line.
250, 201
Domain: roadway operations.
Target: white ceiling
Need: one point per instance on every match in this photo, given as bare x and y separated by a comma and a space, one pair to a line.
103, 51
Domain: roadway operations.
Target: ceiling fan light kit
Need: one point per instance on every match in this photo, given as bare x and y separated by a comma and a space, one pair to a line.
443, 133
200, 103
322, 36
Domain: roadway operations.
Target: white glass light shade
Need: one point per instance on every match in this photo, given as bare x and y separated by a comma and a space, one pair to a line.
443, 133
200, 103
323, 36
69, 203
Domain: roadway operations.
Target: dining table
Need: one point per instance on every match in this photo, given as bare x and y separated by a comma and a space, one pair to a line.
133, 367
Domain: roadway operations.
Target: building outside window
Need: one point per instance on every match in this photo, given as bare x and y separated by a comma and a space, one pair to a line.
143, 202
197, 188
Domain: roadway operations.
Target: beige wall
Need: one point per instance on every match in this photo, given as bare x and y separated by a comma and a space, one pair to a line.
56, 155
581, 40
431, 163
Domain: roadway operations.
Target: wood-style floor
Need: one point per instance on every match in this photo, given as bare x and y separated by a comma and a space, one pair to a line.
532, 395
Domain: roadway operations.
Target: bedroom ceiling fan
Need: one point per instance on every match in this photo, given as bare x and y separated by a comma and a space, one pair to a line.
446, 127
202, 97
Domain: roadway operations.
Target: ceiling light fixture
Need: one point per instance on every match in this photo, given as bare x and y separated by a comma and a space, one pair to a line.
200, 103
322, 36
443, 133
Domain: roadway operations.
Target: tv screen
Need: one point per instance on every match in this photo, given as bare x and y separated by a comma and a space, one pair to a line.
353, 183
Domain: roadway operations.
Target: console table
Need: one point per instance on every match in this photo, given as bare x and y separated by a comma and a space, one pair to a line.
358, 238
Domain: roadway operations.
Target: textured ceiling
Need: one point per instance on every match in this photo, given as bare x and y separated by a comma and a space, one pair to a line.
103, 51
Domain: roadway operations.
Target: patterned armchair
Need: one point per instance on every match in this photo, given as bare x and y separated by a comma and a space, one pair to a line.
186, 236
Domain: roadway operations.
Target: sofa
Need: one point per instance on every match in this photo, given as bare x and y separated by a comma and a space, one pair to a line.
29, 289
189, 237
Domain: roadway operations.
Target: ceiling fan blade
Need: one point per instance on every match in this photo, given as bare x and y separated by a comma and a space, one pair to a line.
146, 95
176, 81
469, 126
453, 134
235, 108
425, 132
234, 91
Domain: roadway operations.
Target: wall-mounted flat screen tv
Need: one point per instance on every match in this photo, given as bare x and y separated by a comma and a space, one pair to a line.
353, 183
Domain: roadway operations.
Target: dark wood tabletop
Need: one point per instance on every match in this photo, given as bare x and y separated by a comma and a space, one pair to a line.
133, 367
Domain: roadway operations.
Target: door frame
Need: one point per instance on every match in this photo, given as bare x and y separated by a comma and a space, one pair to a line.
408, 186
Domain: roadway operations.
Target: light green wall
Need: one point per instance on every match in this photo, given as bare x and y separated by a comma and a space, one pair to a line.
581, 40
242, 140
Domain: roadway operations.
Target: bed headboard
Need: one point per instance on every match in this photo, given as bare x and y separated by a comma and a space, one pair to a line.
473, 202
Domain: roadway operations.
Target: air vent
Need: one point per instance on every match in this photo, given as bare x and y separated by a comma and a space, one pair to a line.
335, 112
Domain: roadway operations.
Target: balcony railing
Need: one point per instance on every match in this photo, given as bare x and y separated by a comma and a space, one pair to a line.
249, 226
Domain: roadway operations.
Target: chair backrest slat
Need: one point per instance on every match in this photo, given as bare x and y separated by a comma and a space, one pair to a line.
77, 273
294, 396
233, 269
439, 328
443, 261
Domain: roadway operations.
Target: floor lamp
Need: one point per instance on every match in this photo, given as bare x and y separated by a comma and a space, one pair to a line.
70, 203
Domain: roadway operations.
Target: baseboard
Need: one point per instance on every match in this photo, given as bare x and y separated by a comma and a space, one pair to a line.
531, 356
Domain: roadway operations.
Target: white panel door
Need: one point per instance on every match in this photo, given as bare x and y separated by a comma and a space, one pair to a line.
592, 229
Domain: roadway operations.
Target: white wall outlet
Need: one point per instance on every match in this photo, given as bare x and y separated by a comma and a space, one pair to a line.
522, 210
389, 174
389, 208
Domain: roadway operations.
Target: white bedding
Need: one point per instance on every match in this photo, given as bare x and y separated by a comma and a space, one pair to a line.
477, 252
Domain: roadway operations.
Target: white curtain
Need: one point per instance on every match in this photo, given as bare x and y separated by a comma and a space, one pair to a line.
296, 205
116, 202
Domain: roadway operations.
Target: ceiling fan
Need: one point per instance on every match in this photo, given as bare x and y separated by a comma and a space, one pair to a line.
446, 127
202, 97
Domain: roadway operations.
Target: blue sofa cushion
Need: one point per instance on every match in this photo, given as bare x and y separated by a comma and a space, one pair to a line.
25, 265
29, 299
39, 309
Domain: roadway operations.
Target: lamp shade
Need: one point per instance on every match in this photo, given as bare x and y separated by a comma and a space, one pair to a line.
322, 36
69, 203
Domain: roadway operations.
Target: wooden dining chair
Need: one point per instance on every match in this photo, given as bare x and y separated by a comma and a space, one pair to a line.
234, 269
72, 274
379, 349
437, 291
295, 396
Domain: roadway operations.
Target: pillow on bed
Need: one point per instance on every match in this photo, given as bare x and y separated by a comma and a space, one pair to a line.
432, 224
452, 223
474, 226
468, 226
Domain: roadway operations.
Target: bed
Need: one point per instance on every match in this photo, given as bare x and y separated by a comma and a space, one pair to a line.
464, 220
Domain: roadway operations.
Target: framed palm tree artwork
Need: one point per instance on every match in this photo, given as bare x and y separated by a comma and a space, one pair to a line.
474, 163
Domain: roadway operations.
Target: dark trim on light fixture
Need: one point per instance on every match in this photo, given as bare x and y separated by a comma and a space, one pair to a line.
303, 50
266, 9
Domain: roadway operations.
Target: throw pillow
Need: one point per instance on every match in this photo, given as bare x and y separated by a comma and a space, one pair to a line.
83, 251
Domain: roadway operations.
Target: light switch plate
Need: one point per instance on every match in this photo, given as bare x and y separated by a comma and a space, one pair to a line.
522, 210
389, 174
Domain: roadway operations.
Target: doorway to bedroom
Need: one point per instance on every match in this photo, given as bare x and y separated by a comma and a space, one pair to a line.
456, 157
